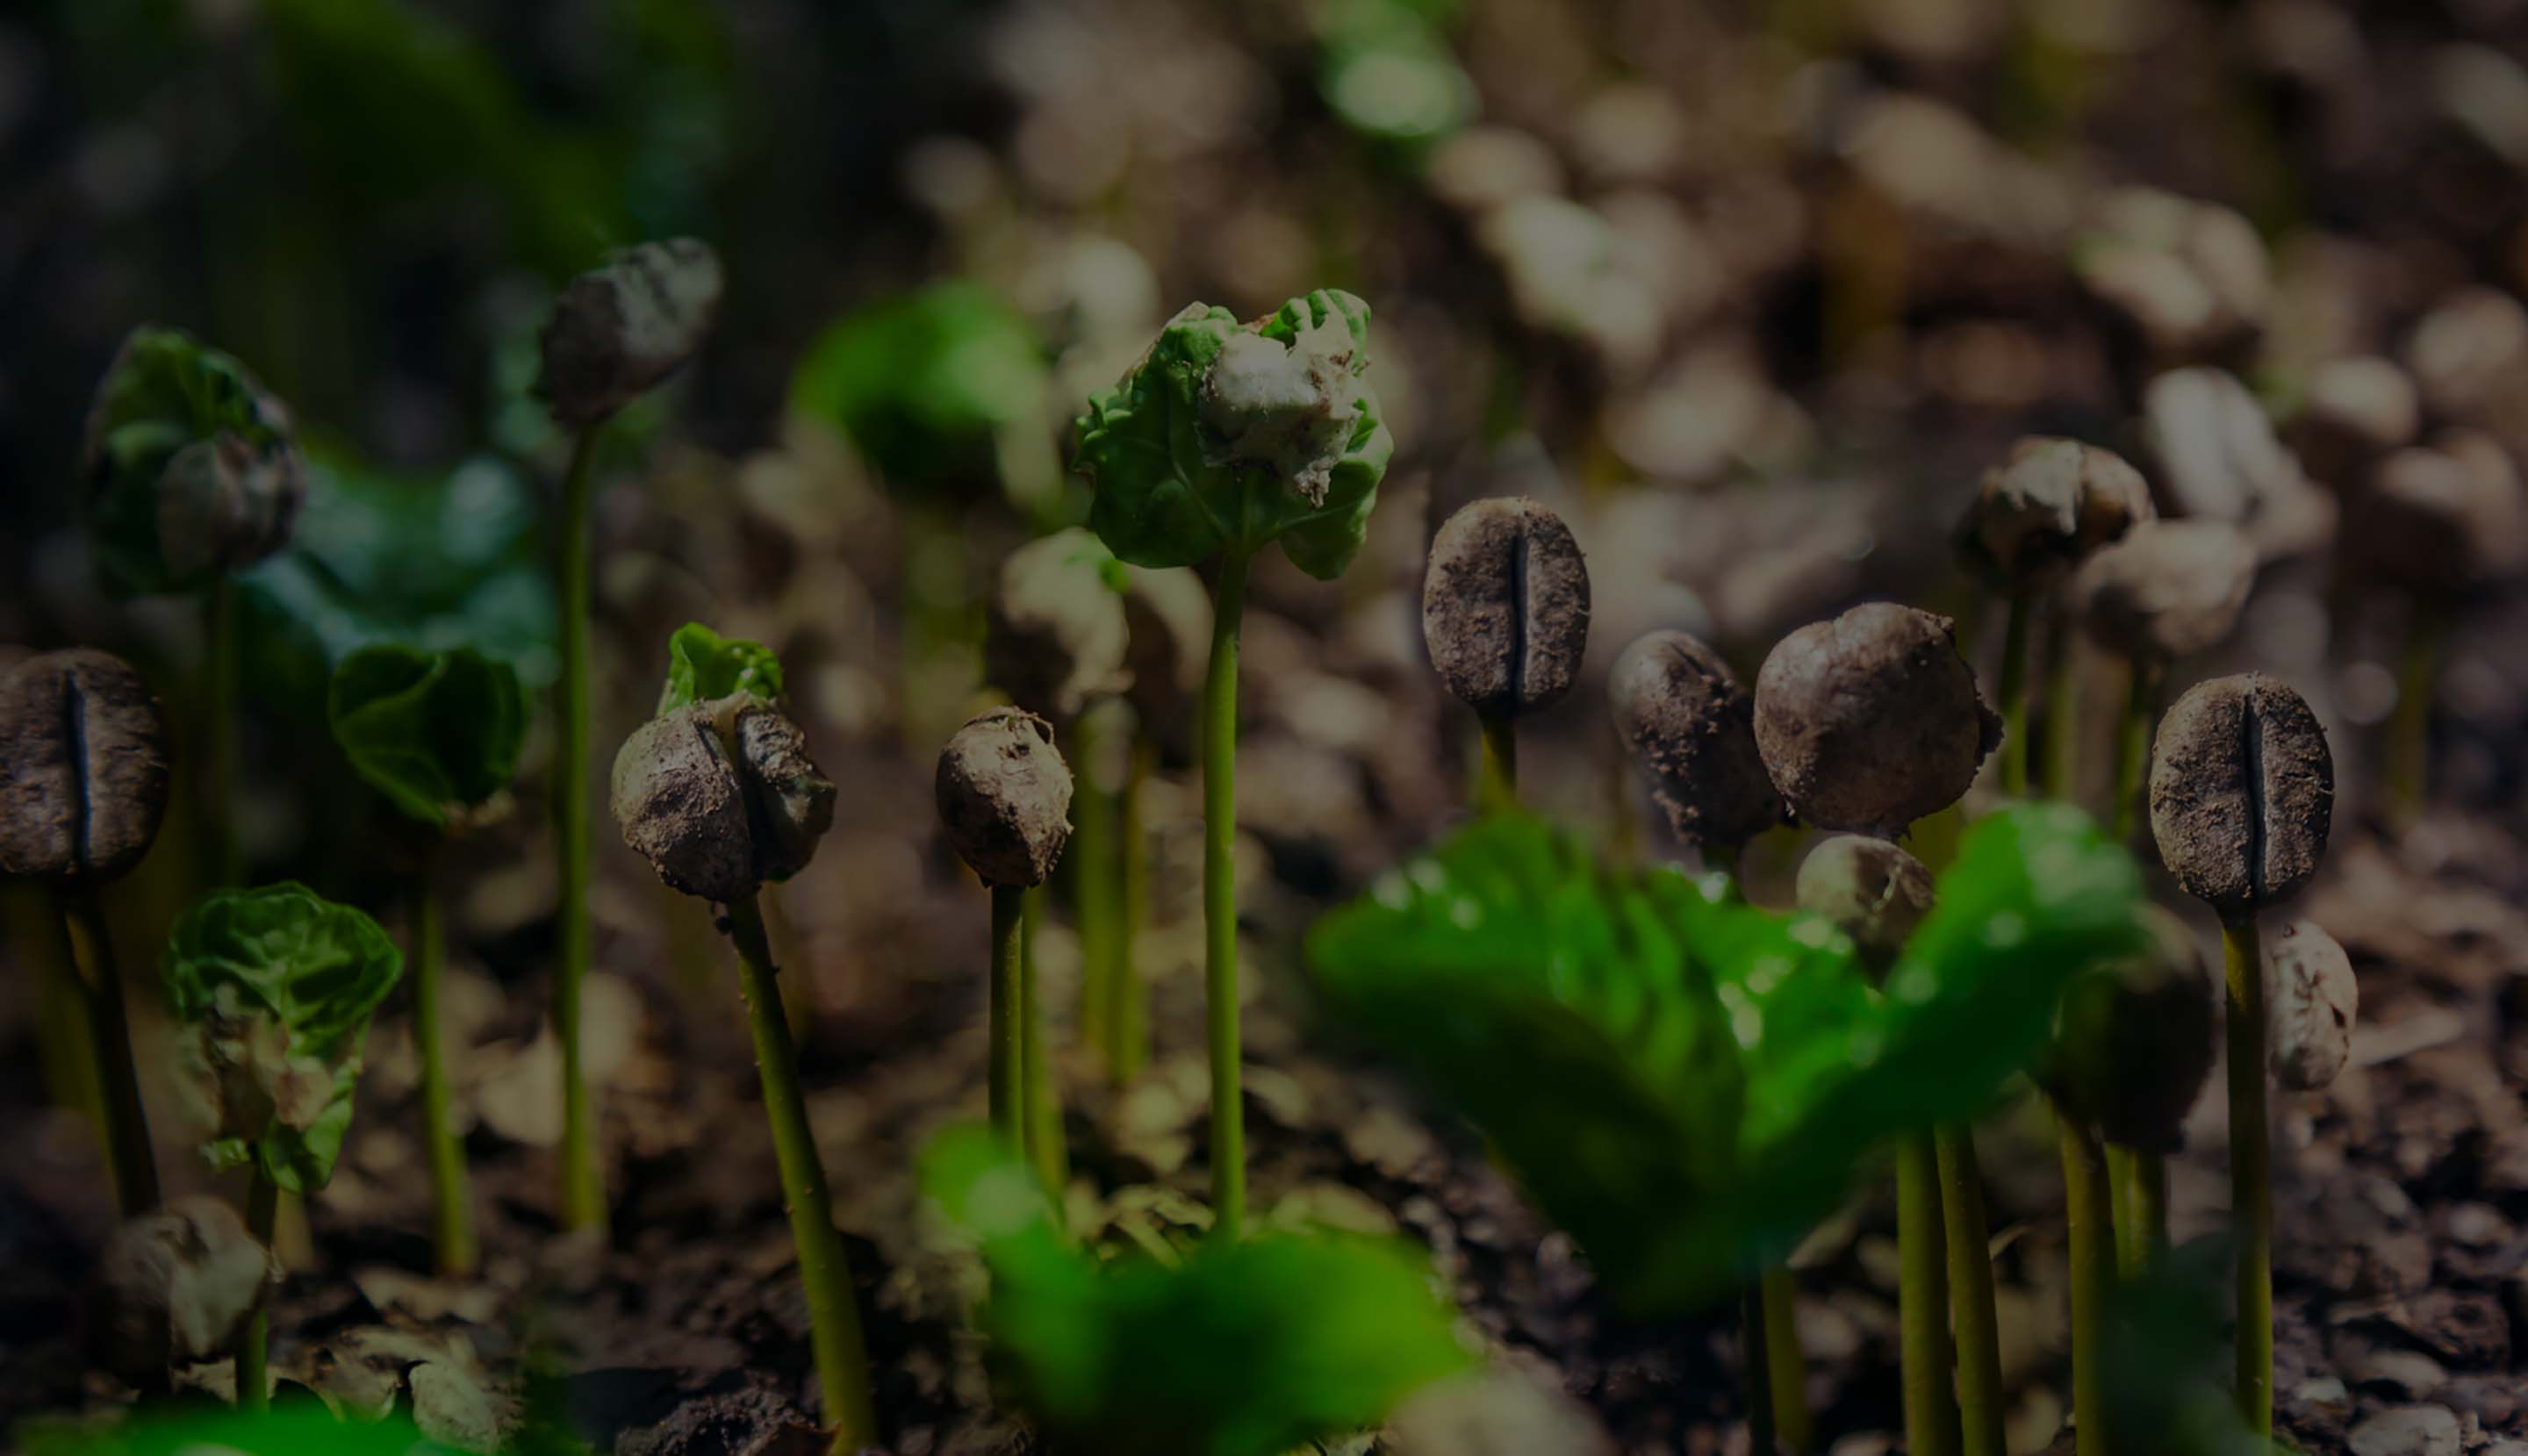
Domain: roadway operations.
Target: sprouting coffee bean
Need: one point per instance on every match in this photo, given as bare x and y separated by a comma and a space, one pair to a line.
792, 802
171, 1287
1055, 631
620, 327
1691, 726
1004, 795
84, 764
2046, 505
2241, 793
2168, 590
1871, 889
1506, 606
1871, 722
721, 796
2134, 1042
2311, 1000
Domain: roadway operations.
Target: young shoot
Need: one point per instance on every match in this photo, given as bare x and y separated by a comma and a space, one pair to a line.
719, 795
194, 474
1224, 439
1505, 616
83, 771
438, 734
2241, 799
616, 332
272, 991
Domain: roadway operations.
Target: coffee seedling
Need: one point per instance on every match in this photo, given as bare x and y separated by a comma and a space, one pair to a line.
2241, 798
719, 793
2168, 590
616, 332
1223, 439
1505, 616
1868, 723
2047, 506
2313, 999
194, 474
272, 990
84, 770
438, 734
174, 1286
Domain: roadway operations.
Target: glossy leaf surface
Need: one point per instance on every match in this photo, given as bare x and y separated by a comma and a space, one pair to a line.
703, 666
437, 733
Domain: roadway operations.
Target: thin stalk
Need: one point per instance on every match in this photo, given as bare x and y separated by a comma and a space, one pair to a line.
450, 1197
1784, 1366
1008, 998
1970, 1301
2410, 731
1497, 779
2129, 1257
65, 1041
217, 798
1755, 1352
2252, 1207
253, 1377
583, 1182
2133, 745
1923, 1301
2093, 1278
127, 1117
833, 1320
1219, 899
2062, 710
1126, 1024
1089, 859
2014, 698
1045, 1148
2146, 1200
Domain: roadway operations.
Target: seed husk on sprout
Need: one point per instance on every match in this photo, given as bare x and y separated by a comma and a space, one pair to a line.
2313, 999
1506, 615
1691, 725
1872, 720
721, 796
621, 328
2169, 589
1870, 888
2048, 504
1004, 795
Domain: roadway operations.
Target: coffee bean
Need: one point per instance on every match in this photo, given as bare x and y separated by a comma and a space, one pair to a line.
1004, 795
1871, 722
2168, 590
1871, 889
721, 796
2311, 999
2241, 793
84, 764
619, 329
2049, 504
1691, 726
1506, 606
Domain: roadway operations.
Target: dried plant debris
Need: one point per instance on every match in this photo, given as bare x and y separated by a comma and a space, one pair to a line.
2169, 590
1871, 722
173, 1286
2241, 793
84, 768
1004, 794
1506, 606
2311, 1000
1055, 634
622, 327
1691, 727
2049, 504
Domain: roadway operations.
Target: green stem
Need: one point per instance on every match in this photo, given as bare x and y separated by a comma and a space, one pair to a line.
2138, 1190
218, 795
1785, 1366
1497, 780
2133, 745
1220, 898
2093, 1275
2251, 1201
253, 1377
1755, 1353
1045, 1147
1923, 1301
66, 1040
2014, 698
127, 1117
2062, 710
2410, 731
583, 1182
833, 1318
1971, 1300
1006, 1033
1128, 1033
1089, 861
451, 1200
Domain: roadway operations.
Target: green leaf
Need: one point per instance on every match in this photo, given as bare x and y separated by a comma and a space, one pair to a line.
928, 385
1684, 1083
275, 987
1249, 1348
1180, 478
702, 666
158, 528
287, 1429
436, 733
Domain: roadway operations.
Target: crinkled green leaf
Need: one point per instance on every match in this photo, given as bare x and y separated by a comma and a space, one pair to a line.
1249, 1348
1686, 1083
303, 1428
928, 385
165, 391
275, 987
435, 732
1172, 491
702, 665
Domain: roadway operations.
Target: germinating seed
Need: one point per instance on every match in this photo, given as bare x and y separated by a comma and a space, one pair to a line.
2046, 505
1004, 797
1689, 724
2134, 1042
84, 764
172, 1286
1869, 888
1871, 722
2312, 998
620, 327
712, 824
2241, 793
2168, 590
1506, 605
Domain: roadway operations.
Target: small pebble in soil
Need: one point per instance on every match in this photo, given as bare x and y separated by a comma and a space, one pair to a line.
2414, 1430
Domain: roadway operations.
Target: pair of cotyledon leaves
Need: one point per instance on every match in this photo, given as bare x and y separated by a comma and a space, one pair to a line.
275, 987
1683, 1082
1248, 1347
